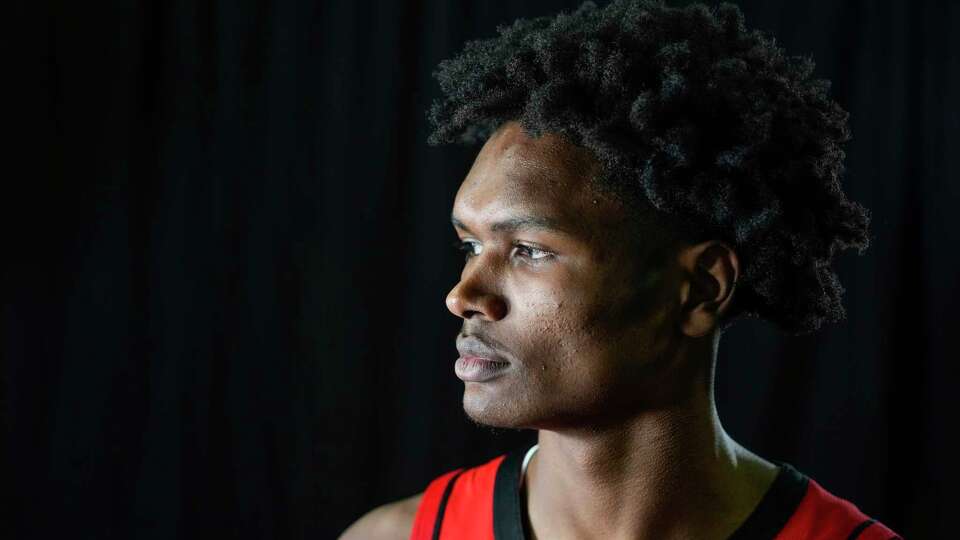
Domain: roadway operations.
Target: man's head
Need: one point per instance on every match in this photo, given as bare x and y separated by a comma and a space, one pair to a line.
703, 145
597, 307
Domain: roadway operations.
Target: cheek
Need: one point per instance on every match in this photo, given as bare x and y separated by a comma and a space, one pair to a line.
544, 324
568, 338
602, 335
582, 328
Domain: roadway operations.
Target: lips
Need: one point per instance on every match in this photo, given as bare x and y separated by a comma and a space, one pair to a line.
474, 369
474, 347
478, 361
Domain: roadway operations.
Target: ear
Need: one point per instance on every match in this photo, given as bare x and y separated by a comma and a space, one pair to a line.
709, 273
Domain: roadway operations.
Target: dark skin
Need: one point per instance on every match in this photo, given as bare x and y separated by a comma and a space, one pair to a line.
611, 329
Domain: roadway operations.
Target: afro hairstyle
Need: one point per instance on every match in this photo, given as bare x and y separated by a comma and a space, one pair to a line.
704, 121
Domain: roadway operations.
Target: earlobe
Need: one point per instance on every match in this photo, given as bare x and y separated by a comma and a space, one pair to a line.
700, 319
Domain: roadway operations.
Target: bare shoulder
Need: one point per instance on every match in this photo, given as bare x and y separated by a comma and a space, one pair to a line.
392, 521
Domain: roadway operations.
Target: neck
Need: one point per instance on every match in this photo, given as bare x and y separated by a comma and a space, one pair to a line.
669, 473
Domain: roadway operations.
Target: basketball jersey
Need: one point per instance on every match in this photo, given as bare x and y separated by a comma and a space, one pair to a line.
483, 503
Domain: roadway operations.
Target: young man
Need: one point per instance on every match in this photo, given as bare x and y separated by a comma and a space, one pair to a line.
648, 176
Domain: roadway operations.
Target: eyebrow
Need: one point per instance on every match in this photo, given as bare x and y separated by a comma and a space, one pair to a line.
520, 223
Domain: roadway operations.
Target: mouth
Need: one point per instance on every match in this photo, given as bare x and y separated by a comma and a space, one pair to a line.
477, 369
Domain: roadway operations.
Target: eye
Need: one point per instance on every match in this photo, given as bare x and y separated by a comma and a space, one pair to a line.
465, 247
530, 250
532, 253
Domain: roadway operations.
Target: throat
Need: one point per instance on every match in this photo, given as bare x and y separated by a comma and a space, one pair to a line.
642, 502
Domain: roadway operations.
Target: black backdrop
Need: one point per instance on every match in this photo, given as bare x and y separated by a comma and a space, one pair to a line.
223, 296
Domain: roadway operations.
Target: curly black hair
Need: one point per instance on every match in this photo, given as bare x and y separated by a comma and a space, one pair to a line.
707, 122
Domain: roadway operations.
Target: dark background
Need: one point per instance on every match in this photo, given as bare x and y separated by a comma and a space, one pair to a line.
228, 251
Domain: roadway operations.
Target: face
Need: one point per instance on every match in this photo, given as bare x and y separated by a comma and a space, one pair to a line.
572, 296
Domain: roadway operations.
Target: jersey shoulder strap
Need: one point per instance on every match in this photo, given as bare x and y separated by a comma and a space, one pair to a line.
823, 515
458, 504
429, 507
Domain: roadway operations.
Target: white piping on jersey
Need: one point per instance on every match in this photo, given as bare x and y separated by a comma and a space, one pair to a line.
526, 459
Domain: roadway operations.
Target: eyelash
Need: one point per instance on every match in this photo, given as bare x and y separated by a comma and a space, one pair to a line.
466, 248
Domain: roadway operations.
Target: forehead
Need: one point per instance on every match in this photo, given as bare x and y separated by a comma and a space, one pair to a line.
517, 174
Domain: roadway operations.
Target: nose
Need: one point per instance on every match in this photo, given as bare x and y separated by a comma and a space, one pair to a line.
469, 297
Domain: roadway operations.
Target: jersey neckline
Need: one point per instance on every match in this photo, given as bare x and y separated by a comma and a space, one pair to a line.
768, 518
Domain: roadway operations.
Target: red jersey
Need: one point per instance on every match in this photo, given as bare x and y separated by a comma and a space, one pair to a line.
483, 503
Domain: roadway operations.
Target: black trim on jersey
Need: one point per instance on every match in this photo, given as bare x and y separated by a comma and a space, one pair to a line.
776, 507
507, 517
856, 532
443, 505
767, 520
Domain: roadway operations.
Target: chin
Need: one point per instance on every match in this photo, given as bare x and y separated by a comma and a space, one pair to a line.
488, 408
